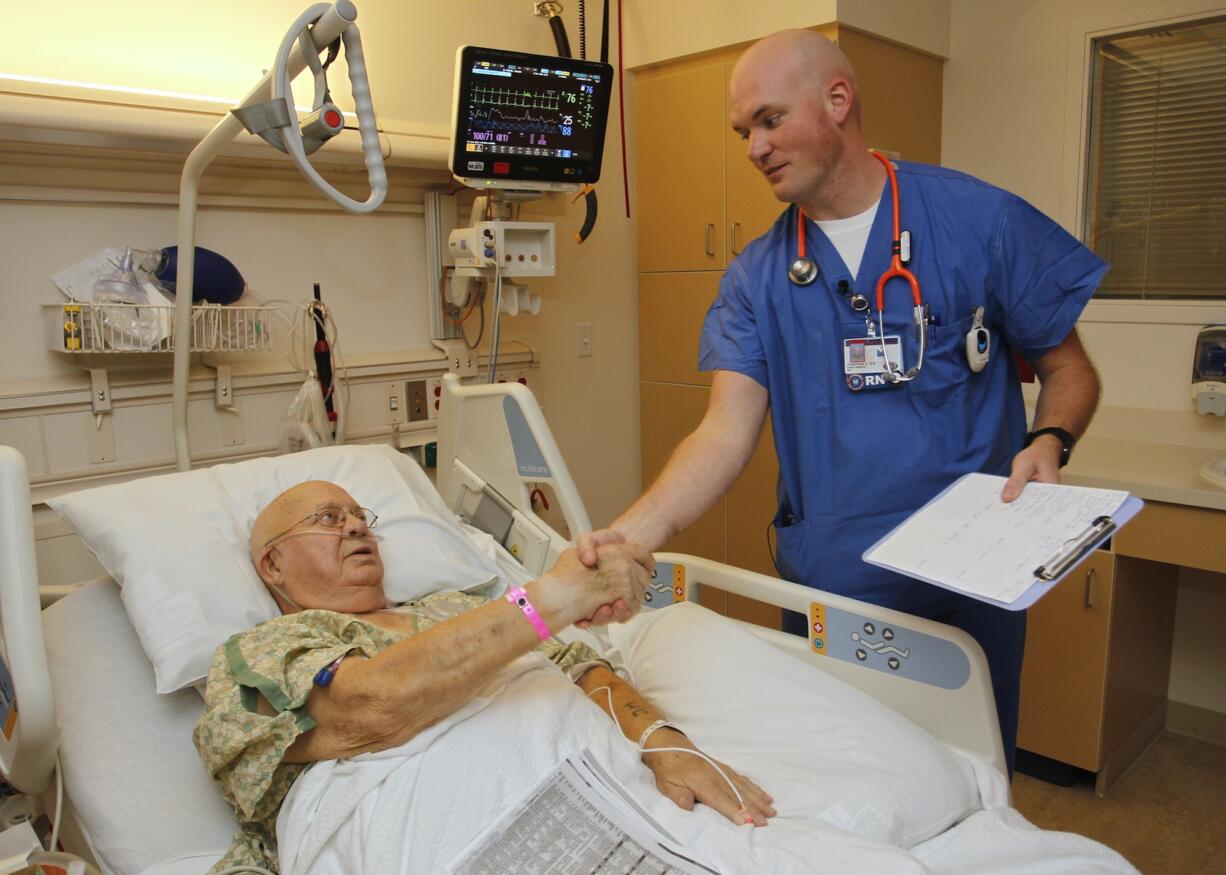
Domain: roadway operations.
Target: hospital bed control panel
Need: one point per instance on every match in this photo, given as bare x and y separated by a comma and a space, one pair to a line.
889, 647
886, 647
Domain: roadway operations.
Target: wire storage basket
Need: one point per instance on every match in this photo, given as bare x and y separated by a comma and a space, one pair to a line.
80, 327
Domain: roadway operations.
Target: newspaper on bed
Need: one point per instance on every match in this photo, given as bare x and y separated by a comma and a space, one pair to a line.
577, 819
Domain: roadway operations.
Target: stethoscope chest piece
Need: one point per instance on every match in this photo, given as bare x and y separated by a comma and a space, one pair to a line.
802, 271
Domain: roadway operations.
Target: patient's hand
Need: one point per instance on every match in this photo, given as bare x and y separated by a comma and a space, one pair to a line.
686, 779
613, 589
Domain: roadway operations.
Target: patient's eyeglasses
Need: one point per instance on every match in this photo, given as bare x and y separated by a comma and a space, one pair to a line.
332, 516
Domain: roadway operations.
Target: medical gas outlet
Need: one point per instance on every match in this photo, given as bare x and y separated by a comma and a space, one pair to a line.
516, 249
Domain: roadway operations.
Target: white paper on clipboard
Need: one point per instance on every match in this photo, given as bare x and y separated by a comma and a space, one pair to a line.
969, 541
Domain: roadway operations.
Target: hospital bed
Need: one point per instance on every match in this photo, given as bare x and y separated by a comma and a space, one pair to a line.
135, 797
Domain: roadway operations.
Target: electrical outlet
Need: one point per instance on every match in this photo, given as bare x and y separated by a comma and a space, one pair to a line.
460, 359
583, 339
393, 403
415, 390
434, 397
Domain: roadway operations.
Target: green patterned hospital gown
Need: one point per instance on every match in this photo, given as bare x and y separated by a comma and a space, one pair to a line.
278, 660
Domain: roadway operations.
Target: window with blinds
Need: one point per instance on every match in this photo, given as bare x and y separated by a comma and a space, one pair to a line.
1156, 184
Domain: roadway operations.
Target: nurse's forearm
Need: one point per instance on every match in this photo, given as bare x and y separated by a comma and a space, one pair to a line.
1069, 389
703, 466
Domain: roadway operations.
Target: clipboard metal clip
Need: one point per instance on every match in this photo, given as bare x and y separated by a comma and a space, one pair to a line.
1076, 548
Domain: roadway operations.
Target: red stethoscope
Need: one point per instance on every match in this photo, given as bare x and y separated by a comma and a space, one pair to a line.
803, 271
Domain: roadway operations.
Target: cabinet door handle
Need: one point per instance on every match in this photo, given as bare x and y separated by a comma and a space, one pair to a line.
707, 238
1090, 587
736, 229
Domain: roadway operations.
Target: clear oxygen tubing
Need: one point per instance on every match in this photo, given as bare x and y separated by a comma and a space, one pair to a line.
291, 135
334, 20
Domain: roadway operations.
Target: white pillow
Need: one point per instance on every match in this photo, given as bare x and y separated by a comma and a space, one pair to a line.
816, 744
177, 544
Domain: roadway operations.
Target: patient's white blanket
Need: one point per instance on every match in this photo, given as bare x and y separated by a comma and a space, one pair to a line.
446, 785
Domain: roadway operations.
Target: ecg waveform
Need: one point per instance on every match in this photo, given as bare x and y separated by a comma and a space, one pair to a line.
548, 100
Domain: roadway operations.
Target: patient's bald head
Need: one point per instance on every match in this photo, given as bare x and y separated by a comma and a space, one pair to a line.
312, 547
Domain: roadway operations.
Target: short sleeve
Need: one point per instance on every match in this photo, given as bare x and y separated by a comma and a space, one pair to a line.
730, 338
242, 743
1041, 278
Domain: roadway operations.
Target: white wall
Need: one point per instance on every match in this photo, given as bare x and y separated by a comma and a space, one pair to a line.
658, 32
370, 267
1014, 111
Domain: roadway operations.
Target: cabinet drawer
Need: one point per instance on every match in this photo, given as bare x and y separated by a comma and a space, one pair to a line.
1065, 669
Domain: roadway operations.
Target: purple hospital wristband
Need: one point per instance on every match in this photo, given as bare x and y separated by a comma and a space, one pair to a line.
518, 596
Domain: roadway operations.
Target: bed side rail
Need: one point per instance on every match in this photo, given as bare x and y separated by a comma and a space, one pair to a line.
931, 673
493, 441
28, 736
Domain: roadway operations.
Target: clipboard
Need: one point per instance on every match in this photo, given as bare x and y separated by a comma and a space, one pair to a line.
967, 541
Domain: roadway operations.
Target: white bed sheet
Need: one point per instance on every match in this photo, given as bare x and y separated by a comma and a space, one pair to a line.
441, 788
140, 791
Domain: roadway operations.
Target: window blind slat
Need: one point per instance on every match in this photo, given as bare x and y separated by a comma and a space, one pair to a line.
1156, 178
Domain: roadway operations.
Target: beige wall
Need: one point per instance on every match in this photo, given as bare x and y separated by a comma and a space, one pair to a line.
1014, 110
371, 266
657, 31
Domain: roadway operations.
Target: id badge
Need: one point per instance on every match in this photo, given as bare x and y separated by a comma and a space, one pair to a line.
863, 363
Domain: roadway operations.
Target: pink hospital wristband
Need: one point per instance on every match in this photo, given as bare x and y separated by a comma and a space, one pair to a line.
518, 596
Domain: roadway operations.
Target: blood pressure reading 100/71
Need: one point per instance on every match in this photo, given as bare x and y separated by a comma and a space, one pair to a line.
520, 110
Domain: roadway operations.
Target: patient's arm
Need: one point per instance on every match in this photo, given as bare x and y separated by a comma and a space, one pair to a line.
682, 777
374, 704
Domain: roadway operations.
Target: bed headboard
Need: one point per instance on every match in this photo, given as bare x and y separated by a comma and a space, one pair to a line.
27, 709
492, 442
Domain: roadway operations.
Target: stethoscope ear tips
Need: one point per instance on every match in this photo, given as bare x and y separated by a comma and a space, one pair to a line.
802, 271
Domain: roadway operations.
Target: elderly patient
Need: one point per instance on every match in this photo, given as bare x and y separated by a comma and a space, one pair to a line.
342, 673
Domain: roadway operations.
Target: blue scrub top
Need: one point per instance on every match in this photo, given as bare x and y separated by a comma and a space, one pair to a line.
852, 465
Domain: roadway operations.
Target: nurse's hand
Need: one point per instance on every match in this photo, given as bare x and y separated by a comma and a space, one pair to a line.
1038, 463
686, 779
590, 542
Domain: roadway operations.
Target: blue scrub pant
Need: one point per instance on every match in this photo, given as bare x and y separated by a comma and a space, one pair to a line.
1001, 634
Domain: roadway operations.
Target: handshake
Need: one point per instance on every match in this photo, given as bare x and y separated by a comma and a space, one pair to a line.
601, 581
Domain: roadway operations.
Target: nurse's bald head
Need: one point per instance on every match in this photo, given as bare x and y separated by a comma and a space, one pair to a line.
797, 59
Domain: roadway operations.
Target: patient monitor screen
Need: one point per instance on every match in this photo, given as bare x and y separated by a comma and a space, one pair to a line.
528, 121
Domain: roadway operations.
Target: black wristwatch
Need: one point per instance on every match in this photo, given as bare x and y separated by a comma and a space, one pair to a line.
1065, 438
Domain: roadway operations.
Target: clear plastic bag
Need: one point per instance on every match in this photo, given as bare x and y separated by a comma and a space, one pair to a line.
127, 326
306, 422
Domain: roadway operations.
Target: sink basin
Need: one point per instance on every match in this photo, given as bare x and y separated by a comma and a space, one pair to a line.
1215, 472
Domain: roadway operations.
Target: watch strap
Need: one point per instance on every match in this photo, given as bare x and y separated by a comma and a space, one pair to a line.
1065, 438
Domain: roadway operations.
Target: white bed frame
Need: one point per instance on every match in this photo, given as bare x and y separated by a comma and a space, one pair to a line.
493, 444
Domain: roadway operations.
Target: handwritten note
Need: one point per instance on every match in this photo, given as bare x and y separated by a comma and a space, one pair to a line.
968, 539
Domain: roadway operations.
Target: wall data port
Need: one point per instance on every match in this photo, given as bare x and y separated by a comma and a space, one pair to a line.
419, 409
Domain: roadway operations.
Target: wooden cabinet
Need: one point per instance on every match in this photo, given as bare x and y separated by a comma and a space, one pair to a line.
1098, 657
700, 202
1066, 641
680, 159
700, 199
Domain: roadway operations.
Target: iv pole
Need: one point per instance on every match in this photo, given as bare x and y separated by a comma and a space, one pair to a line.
335, 21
